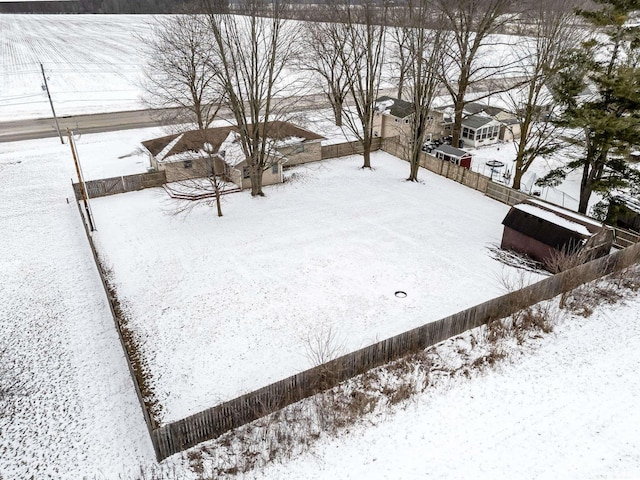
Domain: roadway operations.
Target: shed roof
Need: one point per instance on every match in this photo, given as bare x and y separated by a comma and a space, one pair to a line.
530, 224
395, 106
591, 224
452, 151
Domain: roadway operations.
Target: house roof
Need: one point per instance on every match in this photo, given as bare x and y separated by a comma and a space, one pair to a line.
452, 151
193, 140
394, 106
474, 108
477, 121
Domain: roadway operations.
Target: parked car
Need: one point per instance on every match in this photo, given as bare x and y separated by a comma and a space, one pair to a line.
429, 147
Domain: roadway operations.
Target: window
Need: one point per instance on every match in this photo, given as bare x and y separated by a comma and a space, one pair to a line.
245, 172
406, 120
465, 132
274, 168
188, 164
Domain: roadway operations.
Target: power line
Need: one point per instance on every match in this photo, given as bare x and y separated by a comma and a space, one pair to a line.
46, 86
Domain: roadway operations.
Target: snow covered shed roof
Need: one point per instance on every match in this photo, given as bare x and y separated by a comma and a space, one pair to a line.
193, 140
551, 225
394, 106
452, 151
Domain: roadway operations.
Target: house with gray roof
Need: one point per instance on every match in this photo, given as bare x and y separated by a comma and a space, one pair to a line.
393, 119
484, 125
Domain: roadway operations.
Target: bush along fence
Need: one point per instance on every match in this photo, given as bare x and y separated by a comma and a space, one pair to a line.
180, 435
133, 371
128, 183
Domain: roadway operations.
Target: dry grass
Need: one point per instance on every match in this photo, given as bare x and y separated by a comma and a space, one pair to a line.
132, 346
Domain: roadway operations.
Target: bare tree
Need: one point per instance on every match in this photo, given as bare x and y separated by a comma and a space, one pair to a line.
400, 59
180, 71
425, 53
362, 50
253, 50
322, 57
470, 25
552, 30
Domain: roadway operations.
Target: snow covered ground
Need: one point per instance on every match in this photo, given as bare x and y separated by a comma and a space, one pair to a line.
79, 415
247, 293
566, 408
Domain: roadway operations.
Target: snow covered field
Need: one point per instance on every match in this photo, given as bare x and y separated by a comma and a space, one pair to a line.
228, 305
93, 63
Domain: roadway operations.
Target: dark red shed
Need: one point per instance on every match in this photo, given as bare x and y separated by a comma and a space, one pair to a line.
540, 230
453, 155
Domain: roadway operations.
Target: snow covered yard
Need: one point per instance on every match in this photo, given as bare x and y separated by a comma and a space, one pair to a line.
227, 305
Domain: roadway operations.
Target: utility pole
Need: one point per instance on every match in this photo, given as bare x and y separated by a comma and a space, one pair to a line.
46, 87
83, 192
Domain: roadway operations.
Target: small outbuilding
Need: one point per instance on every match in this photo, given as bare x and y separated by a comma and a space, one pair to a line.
453, 155
542, 230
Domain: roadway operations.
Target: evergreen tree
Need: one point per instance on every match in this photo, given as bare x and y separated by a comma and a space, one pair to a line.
608, 119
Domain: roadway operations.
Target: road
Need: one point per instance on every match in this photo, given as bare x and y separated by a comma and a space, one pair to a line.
106, 122
90, 123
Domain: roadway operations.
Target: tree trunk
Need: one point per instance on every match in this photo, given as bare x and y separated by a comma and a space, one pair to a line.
457, 123
517, 178
218, 202
336, 105
585, 194
366, 154
256, 182
415, 165
585, 190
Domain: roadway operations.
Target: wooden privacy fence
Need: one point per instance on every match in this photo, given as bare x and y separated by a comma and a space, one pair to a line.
182, 434
347, 148
505, 194
128, 183
454, 172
